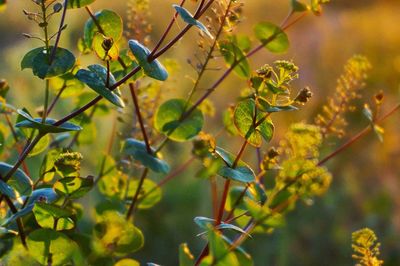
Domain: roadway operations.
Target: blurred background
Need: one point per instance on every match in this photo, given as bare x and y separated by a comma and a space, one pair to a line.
366, 186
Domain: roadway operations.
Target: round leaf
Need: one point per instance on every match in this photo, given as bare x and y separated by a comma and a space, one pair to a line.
234, 55
38, 60
114, 235
44, 243
150, 190
167, 120
110, 23
272, 37
105, 53
247, 125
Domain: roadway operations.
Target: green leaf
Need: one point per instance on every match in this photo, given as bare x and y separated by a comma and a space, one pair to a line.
96, 78
41, 146
206, 223
71, 86
168, 116
233, 55
189, 19
253, 130
3, 5
241, 173
105, 53
298, 6
79, 3
38, 60
220, 250
110, 23
186, 258
74, 187
272, 37
264, 106
113, 235
7, 190
150, 190
46, 243
47, 214
127, 262
47, 169
19, 180
152, 69
137, 149
47, 127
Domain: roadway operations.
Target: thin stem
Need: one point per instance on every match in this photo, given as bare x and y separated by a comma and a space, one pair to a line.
169, 27
209, 54
22, 157
76, 136
169, 177
55, 100
140, 118
20, 225
46, 101
60, 29
131, 73
227, 184
357, 136
136, 196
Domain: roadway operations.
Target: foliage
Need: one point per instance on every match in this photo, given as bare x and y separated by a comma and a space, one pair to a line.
47, 217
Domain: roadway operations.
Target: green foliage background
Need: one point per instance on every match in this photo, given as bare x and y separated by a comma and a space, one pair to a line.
366, 184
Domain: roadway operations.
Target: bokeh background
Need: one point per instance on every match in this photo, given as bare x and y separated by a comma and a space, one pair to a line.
366, 185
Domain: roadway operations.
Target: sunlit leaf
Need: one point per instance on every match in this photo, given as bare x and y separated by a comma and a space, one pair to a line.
252, 127
48, 245
272, 37
74, 187
150, 193
127, 262
220, 250
168, 120
115, 235
41, 146
186, 258
234, 56
46, 216
110, 23
109, 52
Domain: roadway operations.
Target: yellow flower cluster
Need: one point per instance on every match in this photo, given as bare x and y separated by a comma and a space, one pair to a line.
300, 171
331, 119
366, 249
